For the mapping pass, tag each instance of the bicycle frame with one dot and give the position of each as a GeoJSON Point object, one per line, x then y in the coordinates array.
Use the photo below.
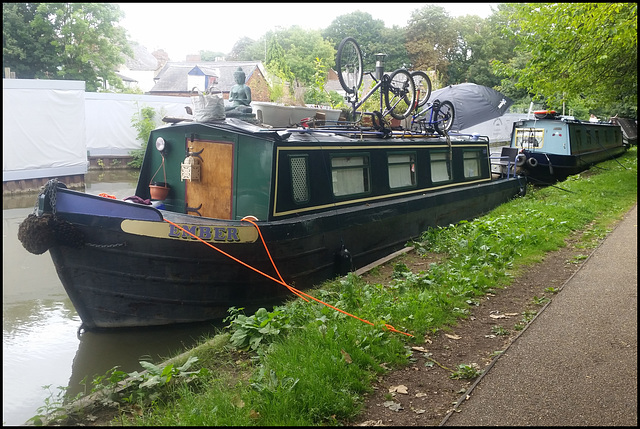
{"type": "Point", "coordinates": [431, 108]}
{"type": "Point", "coordinates": [431, 122]}
{"type": "Point", "coordinates": [384, 80]}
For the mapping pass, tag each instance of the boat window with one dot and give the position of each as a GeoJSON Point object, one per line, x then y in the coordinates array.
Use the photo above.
{"type": "Point", "coordinates": [440, 167]}
{"type": "Point", "coordinates": [529, 138]}
{"type": "Point", "coordinates": [402, 170]}
{"type": "Point", "coordinates": [350, 175]}
{"type": "Point", "coordinates": [471, 162]}
{"type": "Point", "coordinates": [300, 178]}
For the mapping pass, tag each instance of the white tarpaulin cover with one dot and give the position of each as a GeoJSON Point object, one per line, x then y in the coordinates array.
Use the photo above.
{"type": "Point", "coordinates": [109, 129]}
{"type": "Point", "coordinates": [51, 126]}
{"type": "Point", "coordinates": [43, 128]}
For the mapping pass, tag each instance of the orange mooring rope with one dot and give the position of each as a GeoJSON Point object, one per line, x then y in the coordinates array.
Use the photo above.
{"type": "Point", "coordinates": [281, 281]}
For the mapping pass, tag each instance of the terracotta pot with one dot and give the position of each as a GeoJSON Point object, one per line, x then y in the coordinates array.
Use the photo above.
{"type": "Point", "coordinates": [159, 191]}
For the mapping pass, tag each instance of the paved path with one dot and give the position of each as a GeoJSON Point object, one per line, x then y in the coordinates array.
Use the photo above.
{"type": "Point", "coordinates": [577, 363]}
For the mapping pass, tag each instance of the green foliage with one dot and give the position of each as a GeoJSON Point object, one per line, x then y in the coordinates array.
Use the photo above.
{"type": "Point", "coordinates": [431, 39]}
{"type": "Point", "coordinates": [277, 64]}
{"type": "Point", "coordinates": [316, 94]}
{"type": "Point", "coordinates": [53, 404]}
{"type": "Point", "coordinates": [479, 42]}
{"type": "Point", "coordinates": [151, 384]}
{"type": "Point", "coordinates": [291, 54]}
{"type": "Point", "coordinates": [307, 364]}
{"type": "Point", "coordinates": [69, 41]}
{"type": "Point", "coordinates": [210, 55]}
{"type": "Point", "coordinates": [247, 49]}
{"type": "Point", "coordinates": [25, 48]}
{"type": "Point", "coordinates": [372, 36]}
{"type": "Point", "coordinates": [466, 372]}
{"type": "Point", "coordinates": [250, 332]}
{"type": "Point", "coordinates": [499, 330]}
{"type": "Point", "coordinates": [590, 51]}
{"type": "Point", "coordinates": [143, 122]}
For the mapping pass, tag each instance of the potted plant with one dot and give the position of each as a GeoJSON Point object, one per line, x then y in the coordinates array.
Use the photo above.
{"type": "Point", "coordinates": [158, 190]}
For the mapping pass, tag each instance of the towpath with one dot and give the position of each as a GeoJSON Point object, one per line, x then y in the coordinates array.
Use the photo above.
{"type": "Point", "coordinates": [577, 362]}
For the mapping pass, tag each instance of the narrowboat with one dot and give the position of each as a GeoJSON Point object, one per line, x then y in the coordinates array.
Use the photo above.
{"type": "Point", "coordinates": [552, 147]}
{"type": "Point", "coordinates": [248, 213]}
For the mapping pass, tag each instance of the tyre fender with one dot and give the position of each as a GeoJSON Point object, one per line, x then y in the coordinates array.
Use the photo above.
{"type": "Point", "coordinates": [521, 158]}
{"type": "Point", "coordinates": [532, 162]}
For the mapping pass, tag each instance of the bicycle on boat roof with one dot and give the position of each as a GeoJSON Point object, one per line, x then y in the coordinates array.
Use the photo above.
{"type": "Point", "coordinates": [397, 89]}
{"type": "Point", "coordinates": [403, 92]}
{"type": "Point", "coordinates": [436, 116]}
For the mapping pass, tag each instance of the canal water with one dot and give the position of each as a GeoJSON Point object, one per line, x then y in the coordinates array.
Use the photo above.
{"type": "Point", "coordinates": [40, 342]}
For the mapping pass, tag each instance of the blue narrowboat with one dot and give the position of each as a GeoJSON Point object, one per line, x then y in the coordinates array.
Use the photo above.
{"type": "Point", "coordinates": [551, 147]}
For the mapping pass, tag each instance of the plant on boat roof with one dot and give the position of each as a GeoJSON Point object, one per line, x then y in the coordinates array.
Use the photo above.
{"type": "Point", "coordinates": [143, 122]}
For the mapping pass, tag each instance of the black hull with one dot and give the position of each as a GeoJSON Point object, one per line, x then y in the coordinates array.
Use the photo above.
{"type": "Point", "coordinates": [118, 279]}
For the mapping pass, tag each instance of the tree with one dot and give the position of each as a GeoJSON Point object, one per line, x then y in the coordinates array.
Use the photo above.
{"type": "Point", "coordinates": [247, 49]}
{"type": "Point", "coordinates": [300, 48]}
{"type": "Point", "coordinates": [372, 37]}
{"type": "Point", "coordinates": [26, 49]}
{"type": "Point", "coordinates": [78, 41]}
{"type": "Point", "coordinates": [276, 62]}
{"type": "Point", "coordinates": [431, 39]}
{"type": "Point", "coordinates": [480, 41]}
{"type": "Point", "coordinates": [586, 50]}
{"type": "Point", "coordinates": [210, 55]}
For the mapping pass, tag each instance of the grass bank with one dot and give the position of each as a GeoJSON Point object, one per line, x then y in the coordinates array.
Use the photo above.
{"type": "Point", "coordinates": [304, 363]}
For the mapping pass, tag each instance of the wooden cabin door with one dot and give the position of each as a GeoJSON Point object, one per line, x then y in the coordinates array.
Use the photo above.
{"type": "Point", "coordinates": [212, 195]}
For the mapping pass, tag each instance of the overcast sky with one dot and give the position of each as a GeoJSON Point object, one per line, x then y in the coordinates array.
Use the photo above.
{"type": "Point", "coordinates": [186, 28]}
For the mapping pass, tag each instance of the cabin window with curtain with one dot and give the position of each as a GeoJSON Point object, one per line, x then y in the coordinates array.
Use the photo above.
{"type": "Point", "coordinates": [440, 167]}
{"type": "Point", "coordinates": [471, 163]}
{"type": "Point", "coordinates": [402, 170]}
{"type": "Point", "coordinates": [350, 175]}
{"type": "Point", "coordinates": [300, 177]}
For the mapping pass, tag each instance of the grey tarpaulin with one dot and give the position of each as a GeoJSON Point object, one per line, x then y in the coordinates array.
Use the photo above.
{"type": "Point", "coordinates": [473, 103]}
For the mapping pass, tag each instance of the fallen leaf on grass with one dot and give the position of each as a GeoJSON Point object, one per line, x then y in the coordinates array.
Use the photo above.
{"type": "Point", "coordinates": [393, 406]}
{"type": "Point", "coordinates": [371, 423]}
{"type": "Point", "coordinates": [419, 349]}
{"type": "Point", "coordinates": [400, 389]}
{"type": "Point", "coordinates": [497, 316]}
{"type": "Point", "coordinates": [346, 356]}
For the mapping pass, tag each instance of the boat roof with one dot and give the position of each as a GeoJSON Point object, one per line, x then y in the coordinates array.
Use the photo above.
{"type": "Point", "coordinates": [336, 133]}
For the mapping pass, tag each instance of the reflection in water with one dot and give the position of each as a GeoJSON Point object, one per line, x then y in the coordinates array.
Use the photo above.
{"type": "Point", "coordinates": [126, 348]}
{"type": "Point", "coordinates": [40, 342]}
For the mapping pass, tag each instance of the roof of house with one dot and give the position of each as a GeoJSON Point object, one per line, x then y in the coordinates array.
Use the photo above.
{"type": "Point", "coordinates": [173, 76]}
{"type": "Point", "coordinates": [334, 84]}
{"type": "Point", "coordinates": [142, 60]}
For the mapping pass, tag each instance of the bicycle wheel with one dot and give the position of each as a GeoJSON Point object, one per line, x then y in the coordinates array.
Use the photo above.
{"type": "Point", "coordinates": [349, 65]}
{"type": "Point", "coordinates": [423, 87]}
{"type": "Point", "coordinates": [444, 116]}
{"type": "Point", "coordinates": [400, 94]}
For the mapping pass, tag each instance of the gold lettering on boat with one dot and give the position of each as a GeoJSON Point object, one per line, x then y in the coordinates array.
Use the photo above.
{"type": "Point", "coordinates": [209, 233]}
